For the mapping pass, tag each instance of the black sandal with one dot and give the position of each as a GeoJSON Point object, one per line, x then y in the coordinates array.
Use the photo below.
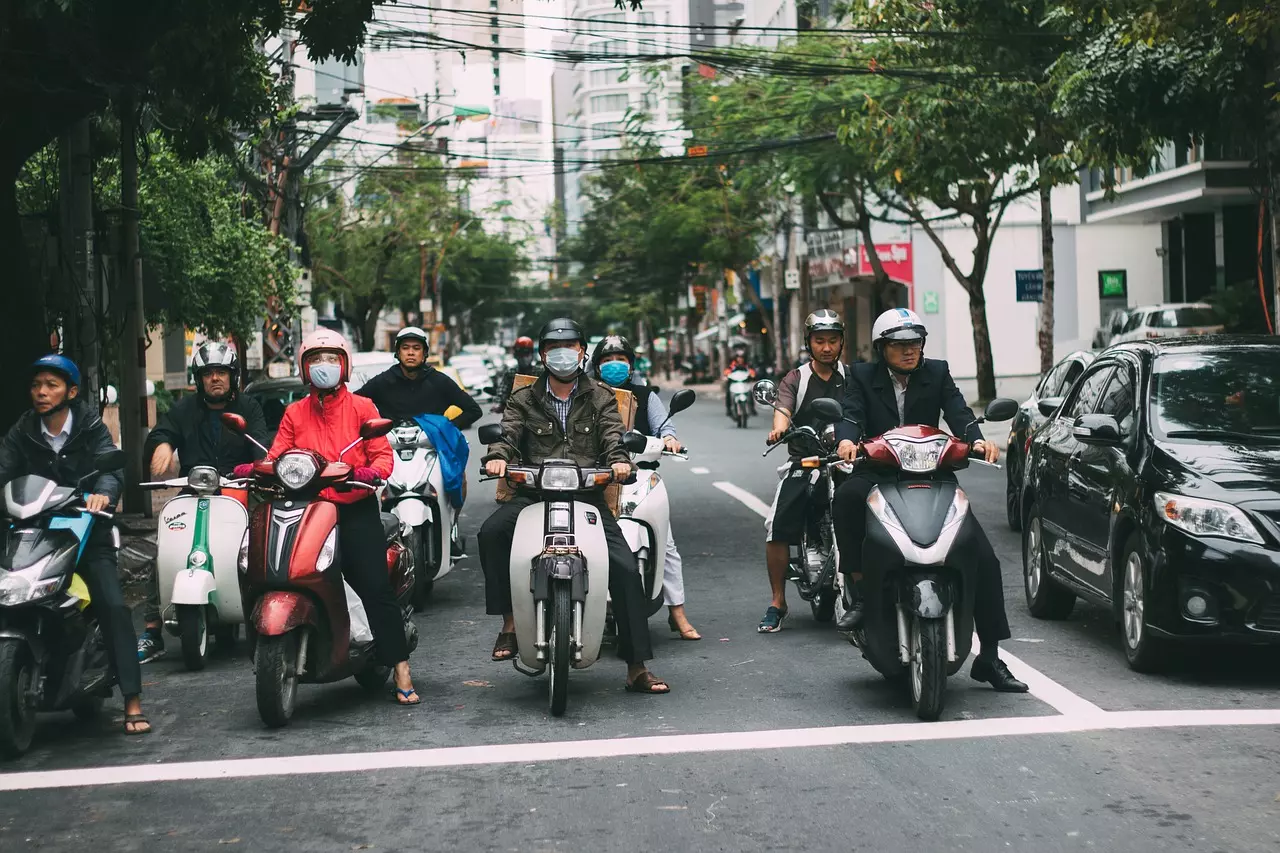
{"type": "Point", "coordinates": [505, 649]}
{"type": "Point", "coordinates": [136, 720]}
{"type": "Point", "coordinates": [645, 682]}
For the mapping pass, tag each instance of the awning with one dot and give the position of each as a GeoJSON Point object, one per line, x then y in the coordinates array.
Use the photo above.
{"type": "Point", "coordinates": [714, 331]}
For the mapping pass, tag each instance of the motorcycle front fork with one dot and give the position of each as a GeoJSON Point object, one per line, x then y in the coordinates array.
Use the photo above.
{"type": "Point", "coordinates": [904, 635]}
{"type": "Point", "coordinates": [540, 637]}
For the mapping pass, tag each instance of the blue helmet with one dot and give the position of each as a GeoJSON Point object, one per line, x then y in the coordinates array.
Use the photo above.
{"type": "Point", "coordinates": [58, 364]}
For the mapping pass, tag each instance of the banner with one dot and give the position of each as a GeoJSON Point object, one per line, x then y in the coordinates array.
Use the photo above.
{"type": "Point", "coordinates": [896, 259]}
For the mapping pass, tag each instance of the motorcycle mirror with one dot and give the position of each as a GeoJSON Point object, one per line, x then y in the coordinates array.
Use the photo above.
{"type": "Point", "coordinates": [826, 410]}
{"type": "Point", "coordinates": [112, 460]}
{"type": "Point", "coordinates": [375, 428]}
{"type": "Point", "coordinates": [490, 433]}
{"type": "Point", "coordinates": [765, 392]}
{"type": "Point", "coordinates": [1001, 409]}
{"type": "Point", "coordinates": [634, 441]}
{"type": "Point", "coordinates": [682, 400]}
{"type": "Point", "coordinates": [234, 422]}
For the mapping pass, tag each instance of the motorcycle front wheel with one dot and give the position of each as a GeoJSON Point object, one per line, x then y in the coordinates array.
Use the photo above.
{"type": "Point", "coordinates": [276, 666]}
{"type": "Point", "coordinates": [561, 635]}
{"type": "Point", "coordinates": [193, 628]}
{"type": "Point", "coordinates": [423, 571]}
{"type": "Point", "coordinates": [928, 666]}
{"type": "Point", "coordinates": [17, 714]}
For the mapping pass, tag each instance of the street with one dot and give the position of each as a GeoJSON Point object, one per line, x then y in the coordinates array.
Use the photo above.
{"type": "Point", "coordinates": [767, 742]}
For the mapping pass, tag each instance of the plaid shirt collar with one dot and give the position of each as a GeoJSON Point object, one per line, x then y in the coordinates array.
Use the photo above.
{"type": "Point", "coordinates": [562, 407]}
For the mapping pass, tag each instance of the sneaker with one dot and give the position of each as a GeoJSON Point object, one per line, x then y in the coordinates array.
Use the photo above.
{"type": "Point", "coordinates": [150, 646]}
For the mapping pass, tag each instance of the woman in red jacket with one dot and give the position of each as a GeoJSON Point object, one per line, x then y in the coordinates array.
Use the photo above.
{"type": "Point", "coordinates": [326, 421]}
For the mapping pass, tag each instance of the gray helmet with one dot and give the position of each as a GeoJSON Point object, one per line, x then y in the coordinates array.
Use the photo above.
{"type": "Point", "coordinates": [209, 355]}
{"type": "Point", "coordinates": [823, 320]}
{"type": "Point", "coordinates": [561, 329]}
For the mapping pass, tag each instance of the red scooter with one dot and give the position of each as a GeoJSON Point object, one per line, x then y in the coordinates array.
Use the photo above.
{"type": "Point", "coordinates": [301, 627]}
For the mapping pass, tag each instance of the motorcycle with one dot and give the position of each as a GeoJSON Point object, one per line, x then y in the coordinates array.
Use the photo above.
{"type": "Point", "coordinates": [52, 655]}
{"type": "Point", "coordinates": [812, 565]}
{"type": "Point", "coordinates": [415, 494]}
{"type": "Point", "coordinates": [740, 396]}
{"type": "Point", "coordinates": [559, 570]}
{"type": "Point", "coordinates": [917, 564]}
{"type": "Point", "coordinates": [645, 516]}
{"type": "Point", "coordinates": [307, 624]}
{"type": "Point", "coordinates": [196, 544]}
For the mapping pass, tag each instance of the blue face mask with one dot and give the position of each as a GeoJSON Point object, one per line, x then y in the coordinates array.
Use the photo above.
{"type": "Point", "coordinates": [615, 372]}
{"type": "Point", "coordinates": [326, 376]}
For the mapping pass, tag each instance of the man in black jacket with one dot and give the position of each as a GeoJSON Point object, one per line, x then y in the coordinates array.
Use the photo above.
{"type": "Point", "coordinates": [60, 439]}
{"type": "Point", "coordinates": [193, 430]}
{"type": "Point", "coordinates": [904, 387]}
{"type": "Point", "coordinates": [413, 387]}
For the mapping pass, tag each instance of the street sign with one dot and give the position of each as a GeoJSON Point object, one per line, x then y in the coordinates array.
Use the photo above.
{"type": "Point", "coordinates": [697, 151]}
{"type": "Point", "coordinates": [424, 306]}
{"type": "Point", "coordinates": [793, 279]}
{"type": "Point", "coordinates": [1113, 284]}
{"type": "Point", "coordinates": [929, 300]}
{"type": "Point", "coordinates": [1029, 285]}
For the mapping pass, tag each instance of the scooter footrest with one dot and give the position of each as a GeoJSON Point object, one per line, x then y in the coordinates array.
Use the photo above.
{"type": "Point", "coordinates": [532, 673]}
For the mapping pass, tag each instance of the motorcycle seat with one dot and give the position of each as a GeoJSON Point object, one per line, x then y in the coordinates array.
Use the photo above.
{"type": "Point", "coordinates": [390, 525]}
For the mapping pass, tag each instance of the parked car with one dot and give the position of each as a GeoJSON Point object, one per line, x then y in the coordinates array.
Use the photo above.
{"type": "Point", "coordinates": [1169, 321]}
{"type": "Point", "coordinates": [476, 371]}
{"type": "Point", "coordinates": [1112, 326]}
{"type": "Point", "coordinates": [1154, 489]}
{"type": "Point", "coordinates": [1056, 383]}
{"type": "Point", "coordinates": [366, 365]}
{"type": "Point", "coordinates": [275, 395]}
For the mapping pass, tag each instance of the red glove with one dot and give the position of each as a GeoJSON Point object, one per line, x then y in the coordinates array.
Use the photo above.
{"type": "Point", "coordinates": [365, 475]}
{"type": "Point", "coordinates": [243, 470]}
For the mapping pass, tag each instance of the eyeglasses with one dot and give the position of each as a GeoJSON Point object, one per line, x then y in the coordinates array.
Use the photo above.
{"type": "Point", "coordinates": [906, 347]}
{"type": "Point", "coordinates": [324, 358]}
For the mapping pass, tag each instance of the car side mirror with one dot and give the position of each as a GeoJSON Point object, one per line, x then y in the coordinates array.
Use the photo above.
{"type": "Point", "coordinates": [234, 422]}
{"type": "Point", "coordinates": [1049, 405]}
{"type": "Point", "coordinates": [765, 392]}
{"type": "Point", "coordinates": [1099, 430]}
{"type": "Point", "coordinates": [634, 441]}
{"type": "Point", "coordinates": [682, 400]}
{"type": "Point", "coordinates": [490, 434]}
{"type": "Point", "coordinates": [826, 410]}
{"type": "Point", "coordinates": [375, 428]}
{"type": "Point", "coordinates": [112, 460]}
{"type": "Point", "coordinates": [1001, 409]}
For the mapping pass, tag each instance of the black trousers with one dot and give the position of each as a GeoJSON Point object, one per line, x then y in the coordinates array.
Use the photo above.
{"type": "Point", "coordinates": [629, 611]}
{"type": "Point", "coordinates": [100, 568]}
{"type": "Point", "coordinates": [364, 566]}
{"type": "Point", "coordinates": [849, 512]}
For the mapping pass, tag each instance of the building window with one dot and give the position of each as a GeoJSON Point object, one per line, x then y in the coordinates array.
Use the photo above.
{"type": "Point", "coordinates": [606, 23]}
{"type": "Point", "coordinates": [646, 19]}
{"type": "Point", "coordinates": [609, 103]}
{"type": "Point", "coordinates": [607, 76]}
{"type": "Point", "coordinates": [605, 129]}
{"type": "Point", "coordinates": [495, 38]}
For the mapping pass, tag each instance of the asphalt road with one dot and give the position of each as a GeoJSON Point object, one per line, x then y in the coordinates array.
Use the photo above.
{"type": "Point", "coordinates": [767, 742]}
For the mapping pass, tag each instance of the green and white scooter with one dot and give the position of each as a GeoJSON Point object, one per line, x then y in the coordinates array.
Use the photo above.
{"type": "Point", "coordinates": [198, 544]}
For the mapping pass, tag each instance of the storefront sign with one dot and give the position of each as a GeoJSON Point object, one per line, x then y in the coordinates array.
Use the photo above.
{"type": "Point", "coordinates": [929, 301]}
{"type": "Point", "coordinates": [1029, 285]}
{"type": "Point", "coordinates": [894, 257]}
{"type": "Point", "coordinates": [1113, 284]}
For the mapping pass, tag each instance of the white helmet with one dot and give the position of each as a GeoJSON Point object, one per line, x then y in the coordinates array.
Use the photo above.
{"type": "Point", "coordinates": [898, 324]}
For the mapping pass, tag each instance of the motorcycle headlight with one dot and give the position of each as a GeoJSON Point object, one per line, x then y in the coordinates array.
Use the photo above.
{"type": "Point", "coordinates": [1201, 517]}
{"type": "Point", "coordinates": [25, 586]}
{"type": "Point", "coordinates": [919, 457]}
{"type": "Point", "coordinates": [296, 470]}
{"type": "Point", "coordinates": [327, 551]}
{"type": "Point", "coordinates": [203, 479]}
{"type": "Point", "coordinates": [242, 560]}
{"type": "Point", "coordinates": [560, 479]}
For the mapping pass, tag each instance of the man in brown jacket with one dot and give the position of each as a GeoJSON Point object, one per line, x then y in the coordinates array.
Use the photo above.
{"type": "Point", "coordinates": [566, 415]}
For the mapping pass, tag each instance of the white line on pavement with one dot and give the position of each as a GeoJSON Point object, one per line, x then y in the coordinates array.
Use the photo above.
{"type": "Point", "coordinates": [525, 753]}
{"type": "Point", "coordinates": [698, 469]}
{"type": "Point", "coordinates": [751, 501]}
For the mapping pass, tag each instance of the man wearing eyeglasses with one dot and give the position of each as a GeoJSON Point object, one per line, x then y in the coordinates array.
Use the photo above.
{"type": "Point", "coordinates": [903, 387]}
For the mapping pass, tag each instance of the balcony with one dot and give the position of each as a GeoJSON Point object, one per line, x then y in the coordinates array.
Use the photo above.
{"type": "Point", "coordinates": [1196, 178]}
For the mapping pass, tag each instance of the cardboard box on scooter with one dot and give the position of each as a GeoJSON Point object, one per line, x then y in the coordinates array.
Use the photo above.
{"type": "Point", "coordinates": [626, 408]}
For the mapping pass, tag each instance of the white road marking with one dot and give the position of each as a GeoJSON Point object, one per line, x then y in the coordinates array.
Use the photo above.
{"type": "Point", "coordinates": [525, 753]}
{"type": "Point", "coordinates": [752, 502]}
{"type": "Point", "coordinates": [698, 469]}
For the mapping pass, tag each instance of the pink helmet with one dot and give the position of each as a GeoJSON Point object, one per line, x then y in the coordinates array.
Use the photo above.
{"type": "Point", "coordinates": [324, 339]}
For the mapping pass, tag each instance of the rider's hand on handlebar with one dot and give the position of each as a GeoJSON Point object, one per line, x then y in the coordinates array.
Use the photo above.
{"type": "Point", "coordinates": [847, 450]}
{"type": "Point", "coordinates": [672, 443]}
{"type": "Point", "coordinates": [989, 450]}
{"type": "Point", "coordinates": [496, 467]}
{"type": "Point", "coordinates": [775, 434]}
{"type": "Point", "coordinates": [365, 475]}
{"type": "Point", "coordinates": [243, 470]}
{"type": "Point", "coordinates": [621, 470]}
{"type": "Point", "coordinates": [97, 503]}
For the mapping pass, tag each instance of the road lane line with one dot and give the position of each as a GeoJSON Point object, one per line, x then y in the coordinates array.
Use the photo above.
{"type": "Point", "coordinates": [698, 469]}
{"type": "Point", "coordinates": [662, 745]}
{"type": "Point", "coordinates": [752, 502]}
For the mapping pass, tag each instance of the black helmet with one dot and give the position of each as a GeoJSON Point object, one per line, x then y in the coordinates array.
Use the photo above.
{"type": "Point", "coordinates": [610, 345]}
{"type": "Point", "coordinates": [561, 329]}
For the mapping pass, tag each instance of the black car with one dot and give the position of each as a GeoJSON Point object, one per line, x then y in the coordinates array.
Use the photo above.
{"type": "Point", "coordinates": [1154, 489]}
{"type": "Point", "coordinates": [275, 395]}
{"type": "Point", "coordinates": [1056, 383]}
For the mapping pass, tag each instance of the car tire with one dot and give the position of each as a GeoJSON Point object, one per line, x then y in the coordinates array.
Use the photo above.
{"type": "Point", "coordinates": [1013, 489]}
{"type": "Point", "coordinates": [1144, 651]}
{"type": "Point", "coordinates": [1046, 598]}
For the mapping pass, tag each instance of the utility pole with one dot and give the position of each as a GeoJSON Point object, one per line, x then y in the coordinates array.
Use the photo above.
{"type": "Point", "coordinates": [78, 257]}
{"type": "Point", "coordinates": [133, 344]}
{"type": "Point", "coordinates": [422, 284]}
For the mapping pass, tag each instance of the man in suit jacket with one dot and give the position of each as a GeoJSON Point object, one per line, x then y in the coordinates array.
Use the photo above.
{"type": "Point", "coordinates": [903, 387]}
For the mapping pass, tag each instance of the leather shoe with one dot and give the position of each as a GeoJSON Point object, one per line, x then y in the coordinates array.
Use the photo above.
{"type": "Point", "coordinates": [851, 618]}
{"type": "Point", "coordinates": [997, 674]}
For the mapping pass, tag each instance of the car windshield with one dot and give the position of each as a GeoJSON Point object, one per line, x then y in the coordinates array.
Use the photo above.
{"type": "Point", "coordinates": [1182, 318]}
{"type": "Point", "coordinates": [1232, 391]}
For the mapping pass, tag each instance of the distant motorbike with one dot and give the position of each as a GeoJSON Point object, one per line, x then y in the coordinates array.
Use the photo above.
{"type": "Point", "coordinates": [52, 655]}
{"type": "Point", "coordinates": [740, 396]}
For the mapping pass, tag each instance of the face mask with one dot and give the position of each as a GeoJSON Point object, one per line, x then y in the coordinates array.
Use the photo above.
{"type": "Point", "coordinates": [615, 372]}
{"type": "Point", "coordinates": [564, 363]}
{"type": "Point", "coordinates": [325, 376]}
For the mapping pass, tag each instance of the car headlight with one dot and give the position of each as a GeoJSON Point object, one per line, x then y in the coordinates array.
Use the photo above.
{"type": "Point", "coordinates": [203, 479]}
{"type": "Point", "coordinates": [919, 457]}
{"type": "Point", "coordinates": [26, 586]}
{"type": "Point", "coordinates": [1201, 517]}
{"type": "Point", "coordinates": [560, 479]}
{"type": "Point", "coordinates": [296, 470]}
{"type": "Point", "coordinates": [325, 558]}
{"type": "Point", "coordinates": [242, 560]}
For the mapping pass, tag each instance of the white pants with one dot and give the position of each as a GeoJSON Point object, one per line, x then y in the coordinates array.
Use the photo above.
{"type": "Point", "coordinates": [672, 574]}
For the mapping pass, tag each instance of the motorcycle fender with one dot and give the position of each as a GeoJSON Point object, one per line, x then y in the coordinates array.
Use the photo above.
{"type": "Point", "coordinates": [635, 533]}
{"type": "Point", "coordinates": [279, 612]}
{"type": "Point", "coordinates": [31, 641]}
{"type": "Point", "coordinates": [194, 586]}
{"type": "Point", "coordinates": [930, 599]}
{"type": "Point", "coordinates": [412, 511]}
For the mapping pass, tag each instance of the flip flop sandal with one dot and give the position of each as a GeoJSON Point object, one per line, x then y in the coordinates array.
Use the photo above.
{"type": "Point", "coordinates": [135, 720]}
{"type": "Point", "coordinates": [506, 643]}
{"type": "Point", "coordinates": [399, 697]}
{"type": "Point", "coordinates": [645, 682]}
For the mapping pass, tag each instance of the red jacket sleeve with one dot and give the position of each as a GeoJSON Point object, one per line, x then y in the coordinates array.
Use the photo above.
{"type": "Point", "coordinates": [377, 451]}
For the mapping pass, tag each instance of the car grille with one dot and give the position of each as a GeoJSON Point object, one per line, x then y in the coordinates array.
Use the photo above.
{"type": "Point", "coordinates": [1269, 616]}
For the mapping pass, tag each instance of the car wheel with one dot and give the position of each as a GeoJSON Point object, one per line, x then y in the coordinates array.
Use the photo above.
{"type": "Point", "coordinates": [1046, 598]}
{"type": "Point", "coordinates": [1145, 651]}
{"type": "Point", "coordinates": [1013, 489]}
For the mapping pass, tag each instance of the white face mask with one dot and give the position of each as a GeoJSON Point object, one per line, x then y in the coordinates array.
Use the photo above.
{"type": "Point", "coordinates": [564, 363]}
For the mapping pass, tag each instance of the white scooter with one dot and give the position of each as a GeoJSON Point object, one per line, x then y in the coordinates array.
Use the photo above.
{"type": "Point", "coordinates": [559, 569]}
{"type": "Point", "coordinates": [415, 494]}
{"type": "Point", "coordinates": [198, 543]}
{"type": "Point", "coordinates": [645, 516]}
{"type": "Point", "coordinates": [740, 396]}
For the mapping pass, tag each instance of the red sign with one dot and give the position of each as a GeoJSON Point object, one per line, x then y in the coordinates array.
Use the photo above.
{"type": "Point", "coordinates": [697, 151]}
{"type": "Point", "coordinates": [894, 257]}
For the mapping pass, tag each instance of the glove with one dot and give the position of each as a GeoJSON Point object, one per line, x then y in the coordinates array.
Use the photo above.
{"type": "Point", "coordinates": [243, 470]}
{"type": "Point", "coordinates": [365, 475]}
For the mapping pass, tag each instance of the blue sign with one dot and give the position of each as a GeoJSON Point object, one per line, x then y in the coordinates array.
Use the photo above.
{"type": "Point", "coordinates": [1030, 285]}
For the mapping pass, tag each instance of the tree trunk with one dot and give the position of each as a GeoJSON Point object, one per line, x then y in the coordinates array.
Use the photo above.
{"type": "Point", "coordinates": [982, 344]}
{"type": "Point", "coordinates": [24, 336]}
{"type": "Point", "coordinates": [1045, 335]}
{"type": "Point", "coordinates": [133, 344]}
{"type": "Point", "coordinates": [369, 322]}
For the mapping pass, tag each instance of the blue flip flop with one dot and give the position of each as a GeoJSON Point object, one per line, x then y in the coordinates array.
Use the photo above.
{"type": "Point", "coordinates": [398, 694]}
